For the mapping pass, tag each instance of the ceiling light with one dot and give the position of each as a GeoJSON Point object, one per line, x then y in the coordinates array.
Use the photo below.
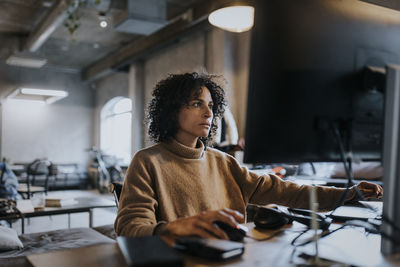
{"type": "Point", "coordinates": [41, 95]}
{"type": "Point", "coordinates": [233, 18]}
{"type": "Point", "coordinates": [31, 91]}
{"type": "Point", "coordinates": [103, 19]}
{"type": "Point", "coordinates": [103, 24]}
{"type": "Point", "coordinates": [26, 61]}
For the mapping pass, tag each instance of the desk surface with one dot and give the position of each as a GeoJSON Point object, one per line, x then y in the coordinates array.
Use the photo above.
{"type": "Point", "coordinates": [276, 251]}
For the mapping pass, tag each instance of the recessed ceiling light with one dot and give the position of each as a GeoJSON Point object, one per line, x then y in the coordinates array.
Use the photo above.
{"type": "Point", "coordinates": [103, 24]}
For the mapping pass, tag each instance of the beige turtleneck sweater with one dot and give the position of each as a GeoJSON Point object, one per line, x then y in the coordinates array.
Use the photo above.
{"type": "Point", "coordinates": [169, 181]}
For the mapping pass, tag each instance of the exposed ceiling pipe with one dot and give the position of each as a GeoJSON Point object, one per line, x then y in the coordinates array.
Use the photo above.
{"type": "Point", "coordinates": [103, 5]}
{"type": "Point", "coordinates": [49, 24]}
{"type": "Point", "coordinates": [142, 17]}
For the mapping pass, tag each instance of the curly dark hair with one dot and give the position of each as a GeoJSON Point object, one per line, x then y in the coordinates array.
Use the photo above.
{"type": "Point", "coordinates": [174, 92]}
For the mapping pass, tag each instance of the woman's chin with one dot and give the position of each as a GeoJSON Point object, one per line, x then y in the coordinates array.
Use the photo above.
{"type": "Point", "coordinates": [204, 135]}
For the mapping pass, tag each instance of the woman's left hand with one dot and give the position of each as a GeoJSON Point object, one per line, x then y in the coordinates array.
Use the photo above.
{"type": "Point", "coordinates": [370, 190]}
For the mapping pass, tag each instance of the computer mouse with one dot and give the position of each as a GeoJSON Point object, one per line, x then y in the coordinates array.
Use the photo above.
{"type": "Point", "coordinates": [234, 234]}
{"type": "Point", "coordinates": [269, 218]}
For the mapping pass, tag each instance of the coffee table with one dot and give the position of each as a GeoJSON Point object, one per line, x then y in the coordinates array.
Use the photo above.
{"type": "Point", "coordinates": [84, 204]}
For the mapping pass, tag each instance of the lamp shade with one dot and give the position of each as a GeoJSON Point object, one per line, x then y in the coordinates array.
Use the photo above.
{"type": "Point", "coordinates": [233, 18]}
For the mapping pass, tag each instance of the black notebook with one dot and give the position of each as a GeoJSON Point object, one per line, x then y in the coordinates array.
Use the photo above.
{"type": "Point", "coordinates": [148, 251]}
{"type": "Point", "coordinates": [212, 249]}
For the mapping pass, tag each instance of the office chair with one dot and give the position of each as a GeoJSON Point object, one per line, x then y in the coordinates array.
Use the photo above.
{"type": "Point", "coordinates": [116, 189]}
{"type": "Point", "coordinates": [39, 167]}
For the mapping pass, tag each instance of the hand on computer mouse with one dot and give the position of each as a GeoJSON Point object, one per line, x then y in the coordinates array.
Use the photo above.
{"type": "Point", "coordinates": [202, 225]}
{"type": "Point", "coordinates": [234, 233]}
{"type": "Point", "coordinates": [370, 190]}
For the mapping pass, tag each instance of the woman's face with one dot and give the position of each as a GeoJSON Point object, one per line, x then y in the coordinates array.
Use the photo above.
{"type": "Point", "coordinates": [195, 118]}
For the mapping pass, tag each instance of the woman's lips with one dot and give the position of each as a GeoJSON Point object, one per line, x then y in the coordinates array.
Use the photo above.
{"type": "Point", "coordinates": [207, 125]}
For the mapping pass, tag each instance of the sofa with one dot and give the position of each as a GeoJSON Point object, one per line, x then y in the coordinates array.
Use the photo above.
{"type": "Point", "coordinates": [35, 243]}
{"type": "Point", "coordinates": [61, 176]}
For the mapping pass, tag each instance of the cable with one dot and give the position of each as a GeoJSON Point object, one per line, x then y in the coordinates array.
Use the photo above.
{"type": "Point", "coordinates": [298, 236]}
{"type": "Point", "coordinates": [347, 163]}
{"type": "Point", "coordinates": [313, 168]}
{"type": "Point", "coordinates": [323, 234]}
{"type": "Point", "coordinates": [349, 173]}
{"type": "Point", "coordinates": [295, 246]}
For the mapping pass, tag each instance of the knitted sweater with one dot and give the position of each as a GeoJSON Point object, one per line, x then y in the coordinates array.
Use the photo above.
{"type": "Point", "coordinates": [169, 181]}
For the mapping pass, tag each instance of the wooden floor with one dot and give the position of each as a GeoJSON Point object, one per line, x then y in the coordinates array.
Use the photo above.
{"type": "Point", "coordinates": [55, 222]}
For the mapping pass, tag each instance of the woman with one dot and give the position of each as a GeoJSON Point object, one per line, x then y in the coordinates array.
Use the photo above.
{"type": "Point", "coordinates": [181, 187]}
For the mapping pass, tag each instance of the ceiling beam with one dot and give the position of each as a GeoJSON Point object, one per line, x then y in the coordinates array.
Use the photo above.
{"type": "Point", "coordinates": [393, 4]}
{"type": "Point", "coordinates": [56, 16]}
{"type": "Point", "coordinates": [127, 54]}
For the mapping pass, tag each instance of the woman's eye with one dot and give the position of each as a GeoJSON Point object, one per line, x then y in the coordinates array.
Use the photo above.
{"type": "Point", "coordinates": [196, 104]}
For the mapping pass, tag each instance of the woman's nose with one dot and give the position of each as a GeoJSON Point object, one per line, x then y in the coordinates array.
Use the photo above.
{"type": "Point", "coordinates": [208, 112]}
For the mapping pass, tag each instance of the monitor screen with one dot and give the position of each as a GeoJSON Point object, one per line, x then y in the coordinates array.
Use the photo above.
{"type": "Point", "coordinates": [307, 78]}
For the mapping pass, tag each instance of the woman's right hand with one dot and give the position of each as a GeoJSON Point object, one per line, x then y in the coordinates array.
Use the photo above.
{"type": "Point", "coordinates": [202, 225]}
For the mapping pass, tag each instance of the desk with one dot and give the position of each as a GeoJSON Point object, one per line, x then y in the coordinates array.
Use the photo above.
{"type": "Point", "coordinates": [338, 182]}
{"type": "Point", "coordinates": [84, 204]}
{"type": "Point", "coordinates": [317, 180]}
{"type": "Point", "coordinates": [273, 252]}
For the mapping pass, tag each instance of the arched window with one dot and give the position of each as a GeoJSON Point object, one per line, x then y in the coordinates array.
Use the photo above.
{"type": "Point", "coordinates": [116, 128]}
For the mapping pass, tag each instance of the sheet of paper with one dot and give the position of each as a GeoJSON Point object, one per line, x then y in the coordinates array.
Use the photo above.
{"type": "Point", "coordinates": [349, 246]}
{"type": "Point", "coordinates": [376, 205]}
{"type": "Point", "coordinates": [25, 205]}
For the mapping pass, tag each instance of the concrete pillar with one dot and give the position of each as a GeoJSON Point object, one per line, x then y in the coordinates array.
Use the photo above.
{"type": "Point", "coordinates": [136, 94]}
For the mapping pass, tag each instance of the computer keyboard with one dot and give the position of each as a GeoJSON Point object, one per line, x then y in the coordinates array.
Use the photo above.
{"type": "Point", "coordinates": [345, 213]}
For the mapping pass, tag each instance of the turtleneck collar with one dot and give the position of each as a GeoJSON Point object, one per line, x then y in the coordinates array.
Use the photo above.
{"type": "Point", "coordinates": [184, 151]}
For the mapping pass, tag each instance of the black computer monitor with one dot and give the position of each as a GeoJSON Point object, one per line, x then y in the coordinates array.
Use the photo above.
{"type": "Point", "coordinates": [391, 167]}
{"type": "Point", "coordinates": [306, 82]}
{"type": "Point", "coordinates": [307, 78]}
